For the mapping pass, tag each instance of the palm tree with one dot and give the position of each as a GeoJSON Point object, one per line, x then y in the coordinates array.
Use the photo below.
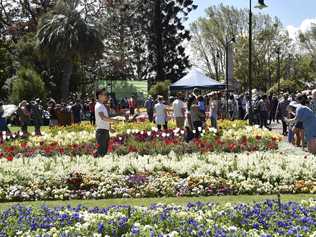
{"type": "Point", "coordinates": [66, 35]}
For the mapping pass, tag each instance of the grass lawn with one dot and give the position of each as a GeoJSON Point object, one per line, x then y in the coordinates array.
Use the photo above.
{"type": "Point", "coordinates": [31, 129]}
{"type": "Point", "coordinates": [178, 201]}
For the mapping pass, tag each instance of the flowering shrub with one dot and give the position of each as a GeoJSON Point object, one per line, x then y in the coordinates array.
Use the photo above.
{"type": "Point", "coordinates": [267, 218]}
{"type": "Point", "coordinates": [198, 174]}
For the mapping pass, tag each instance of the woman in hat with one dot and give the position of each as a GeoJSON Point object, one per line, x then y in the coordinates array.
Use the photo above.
{"type": "Point", "coordinates": [308, 118]}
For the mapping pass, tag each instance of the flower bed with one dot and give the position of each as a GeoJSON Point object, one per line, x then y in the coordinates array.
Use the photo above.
{"type": "Point", "coordinates": [84, 177]}
{"type": "Point", "coordinates": [232, 140]}
{"type": "Point", "coordinates": [143, 142]}
{"type": "Point", "coordinates": [267, 218]}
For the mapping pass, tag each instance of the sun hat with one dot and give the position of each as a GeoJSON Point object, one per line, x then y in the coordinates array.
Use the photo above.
{"type": "Point", "coordinates": [294, 104]}
{"type": "Point", "coordinates": [314, 94]}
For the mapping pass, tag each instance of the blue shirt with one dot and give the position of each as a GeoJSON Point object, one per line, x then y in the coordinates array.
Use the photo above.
{"type": "Point", "coordinates": [149, 104]}
{"type": "Point", "coordinates": [308, 118]}
{"type": "Point", "coordinates": [201, 105]}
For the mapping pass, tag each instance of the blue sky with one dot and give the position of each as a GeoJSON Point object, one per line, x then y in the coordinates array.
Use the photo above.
{"type": "Point", "coordinates": [290, 12]}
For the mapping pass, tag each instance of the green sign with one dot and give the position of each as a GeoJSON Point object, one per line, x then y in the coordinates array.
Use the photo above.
{"type": "Point", "coordinates": [126, 88]}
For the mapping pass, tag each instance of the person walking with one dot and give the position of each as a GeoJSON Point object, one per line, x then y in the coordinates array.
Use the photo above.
{"type": "Point", "coordinates": [274, 102]}
{"type": "Point", "coordinates": [53, 119]}
{"type": "Point", "coordinates": [76, 109]}
{"type": "Point", "coordinates": [149, 105]}
{"type": "Point", "coordinates": [3, 121]}
{"type": "Point", "coordinates": [37, 116]}
{"type": "Point", "coordinates": [178, 107]}
{"type": "Point", "coordinates": [91, 110]}
{"type": "Point", "coordinates": [132, 105]}
{"type": "Point", "coordinates": [161, 114]}
{"type": "Point", "coordinates": [102, 121]}
{"type": "Point", "coordinates": [282, 112]}
{"type": "Point", "coordinates": [213, 111]}
{"type": "Point", "coordinates": [231, 107]}
{"type": "Point", "coordinates": [242, 102]}
{"type": "Point", "coordinates": [24, 115]}
{"type": "Point", "coordinates": [263, 112]}
{"type": "Point", "coordinates": [197, 120]}
{"type": "Point", "coordinates": [306, 116]}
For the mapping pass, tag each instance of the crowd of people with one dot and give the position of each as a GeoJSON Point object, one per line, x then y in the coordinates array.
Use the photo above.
{"type": "Point", "coordinates": [190, 112]}
{"type": "Point", "coordinates": [36, 113]}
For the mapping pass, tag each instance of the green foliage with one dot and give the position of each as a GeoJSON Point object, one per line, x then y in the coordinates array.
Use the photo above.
{"type": "Point", "coordinates": [6, 68]}
{"type": "Point", "coordinates": [161, 88]}
{"type": "Point", "coordinates": [27, 52]}
{"type": "Point", "coordinates": [27, 85]}
{"type": "Point", "coordinates": [65, 34]}
{"type": "Point", "coordinates": [289, 86]}
{"type": "Point", "coordinates": [211, 33]}
{"type": "Point", "coordinates": [166, 35]}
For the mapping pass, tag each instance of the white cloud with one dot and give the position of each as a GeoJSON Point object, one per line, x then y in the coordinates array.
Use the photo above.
{"type": "Point", "coordinates": [304, 27]}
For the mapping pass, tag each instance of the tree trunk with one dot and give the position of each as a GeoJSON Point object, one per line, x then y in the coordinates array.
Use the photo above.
{"type": "Point", "coordinates": [67, 72]}
{"type": "Point", "coordinates": [158, 42]}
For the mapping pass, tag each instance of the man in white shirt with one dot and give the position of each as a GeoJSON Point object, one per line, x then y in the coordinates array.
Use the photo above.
{"type": "Point", "coordinates": [102, 121]}
{"type": "Point", "coordinates": [178, 107]}
{"type": "Point", "coordinates": [161, 114]}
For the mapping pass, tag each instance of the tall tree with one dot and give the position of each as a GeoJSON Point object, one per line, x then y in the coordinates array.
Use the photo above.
{"type": "Point", "coordinates": [18, 17]}
{"type": "Point", "coordinates": [166, 37]}
{"type": "Point", "coordinates": [66, 34]}
{"type": "Point", "coordinates": [145, 39]}
{"type": "Point", "coordinates": [211, 34]}
{"type": "Point", "coordinates": [6, 68]}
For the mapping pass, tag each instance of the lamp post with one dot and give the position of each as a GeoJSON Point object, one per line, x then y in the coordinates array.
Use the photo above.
{"type": "Point", "coordinates": [278, 52]}
{"type": "Point", "coordinates": [216, 66]}
{"type": "Point", "coordinates": [260, 5]}
{"type": "Point", "coordinates": [227, 44]}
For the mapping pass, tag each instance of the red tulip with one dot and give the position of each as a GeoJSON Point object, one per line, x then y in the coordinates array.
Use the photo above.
{"type": "Point", "coordinates": [258, 137]}
{"type": "Point", "coordinates": [10, 158]}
